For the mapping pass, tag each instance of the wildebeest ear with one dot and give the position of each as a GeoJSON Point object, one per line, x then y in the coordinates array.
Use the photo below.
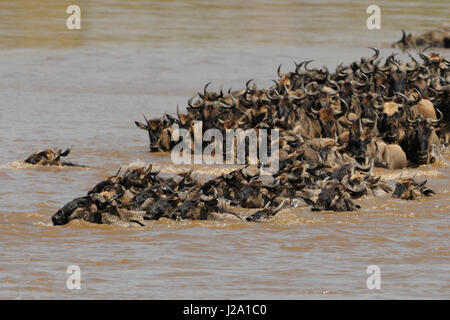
{"type": "Point", "coordinates": [141, 125]}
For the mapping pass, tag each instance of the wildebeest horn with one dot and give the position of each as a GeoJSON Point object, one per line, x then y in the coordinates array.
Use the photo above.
{"type": "Point", "coordinates": [247, 84]}
{"type": "Point", "coordinates": [403, 36]}
{"type": "Point", "coordinates": [344, 108]}
{"type": "Point", "coordinates": [67, 151]}
{"type": "Point", "coordinates": [273, 185]}
{"type": "Point", "coordinates": [375, 56]}
{"type": "Point", "coordinates": [205, 198]}
{"type": "Point", "coordinates": [425, 58]}
{"type": "Point", "coordinates": [413, 121]}
{"type": "Point", "coordinates": [367, 121]}
{"type": "Point", "coordinates": [387, 63]}
{"type": "Point", "coordinates": [359, 84]}
{"type": "Point", "coordinates": [224, 105]}
{"type": "Point", "coordinates": [298, 66]}
{"type": "Point", "coordinates": [314, 111]}
{"type": "Point", "coordinates": [190, 102]}
{"type": "Point", "coordinates": [279, 71]}
{"type": "Point", "coordinates": [306, 65]}
{"type": "Point", "coordinates": [272, 98]}
{"type": "Point", "coordinates": [279, 207]}
{"type": "Point", "coordinates": [145, 118]}
{"type": "Point", "coordinates": [356, 191]}
{"type": "Point", "coordinates": [204, 89]}
{"type": "Point", "coordinates": [364, 169]}
{"type": "Point", "coordinates": [178, 111]}
{"type": "Point", "coordinates": [408, 100]}
{"type": "Point", "coordinates": [416, 64]}
{"type": "Point", "coordinates": [441, 116]}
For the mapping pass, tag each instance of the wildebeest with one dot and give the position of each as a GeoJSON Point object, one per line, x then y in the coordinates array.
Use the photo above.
{"type": "Point", "coordinates": [51, 157]}
{"type": "Point", "coordinates": [439, 37]}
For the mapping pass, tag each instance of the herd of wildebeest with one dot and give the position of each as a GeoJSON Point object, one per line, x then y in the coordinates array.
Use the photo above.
{"type": "Point", "coordinates": [334, 127]}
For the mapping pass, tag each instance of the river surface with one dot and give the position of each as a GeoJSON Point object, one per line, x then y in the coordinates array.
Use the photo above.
{"type": "Point", "coordinates": [84, 88]}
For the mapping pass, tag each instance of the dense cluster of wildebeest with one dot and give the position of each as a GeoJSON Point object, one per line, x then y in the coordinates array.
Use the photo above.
{"type": "Point", "coordinates": [334, 128]}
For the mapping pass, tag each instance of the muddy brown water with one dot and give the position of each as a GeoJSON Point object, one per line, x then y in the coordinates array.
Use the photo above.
{"type": "Point", "coordinates": [85, 88]}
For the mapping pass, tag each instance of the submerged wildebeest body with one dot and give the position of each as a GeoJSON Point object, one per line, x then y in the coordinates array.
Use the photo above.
{"type": "Point", "coordinates": [51, 157]}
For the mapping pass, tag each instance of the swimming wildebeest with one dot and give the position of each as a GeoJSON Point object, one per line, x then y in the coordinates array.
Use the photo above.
{"type": "Point", "coordinates": [51, 157]}
{"type": "Point", "coordinates": [439, 37]}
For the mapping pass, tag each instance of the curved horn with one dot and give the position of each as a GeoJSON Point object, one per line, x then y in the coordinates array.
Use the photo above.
{"type": "Point", "coordinates": [375, 56]}
{"type": "Point", "coordinates": [356, 192]}
{"type": "Point", "coordinates": [440, 117]}
{"type": "Point", "coordinates": [344, 108]}
{"type": "Point", "coordinates": [145, 118]}
{"type": "Point", "coordinates": [425, 59]}
{"type": "Point", "coordinates": [367, 80]}
{"type": "Point", "coordinates": [190, 102]}
{"type": "Point", "coordinates": [67, 151]}
{"type": "Point", "coordinates": [205, 198]}
{"type": "Point", "coordinates": [364, 169]}
{"type": "Point", "coordinates": [409, 120]}
{"type": "Point", "coordinates": [204, 89]}
{"type": "Point", "coordinates": [306, 65]}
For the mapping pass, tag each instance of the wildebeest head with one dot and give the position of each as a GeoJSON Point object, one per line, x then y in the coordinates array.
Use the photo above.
{"type": "Point", "coordinates": [397, 79]}
{"type": "Point", "coordinates": [409, 189]}
{"type": "Point", "coordinates": [154, 128]}
{"type": "Point", "coordinates": [83, 208]}
{"type": "Point", "coordinates": [389, 121]}
{"type": "Point", "coordinates": [419, 137]}
{"type": "Point", "coordinates": [358, 142]}
{"type": "Point", "coordinates": [327, 117]}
